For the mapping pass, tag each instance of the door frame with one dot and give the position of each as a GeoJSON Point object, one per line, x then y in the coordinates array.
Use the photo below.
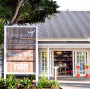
{"type": "Point", "coordinates": [74, 59]}
{"type": "Point", "coordinates": [72, 62]}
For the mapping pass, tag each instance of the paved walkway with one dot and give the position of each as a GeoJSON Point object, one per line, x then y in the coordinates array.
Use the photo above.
{"type": "Point", "coordinates": [75, 83]}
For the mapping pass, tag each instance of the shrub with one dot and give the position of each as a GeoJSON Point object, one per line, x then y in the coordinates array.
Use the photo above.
{"type": "Point", "coordinates": [24, 83]}
{"type": "Point", "coordinates": [11, 82]}
{"type": "Point", "coordinates": [10, 76]}
{"type": "Point", "coordinates": [45, 83]}
{"type": "Point", "coordinates": [55, 83]}
{"type": "Point", "coordinates": [2, 83]}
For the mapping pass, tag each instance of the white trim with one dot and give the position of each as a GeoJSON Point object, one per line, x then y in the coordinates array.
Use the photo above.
{"type": "Point", "coordinates": [41, 61]}
{"type": "Point", "coordinates": [22, 26]}
{"type": "Point", "coordinates": [64, 45]}
{"type": "Point", "coordinates": [44, 62]}
{"type": "Point", "coordinates": [37, 70]}
{"type": "Point", "coordinates": [48, 69]}
{"type": "Point", "coordinates": [50, 61]}
{"type": "Point", "coordinates": [64, 39]}
{"type": "Point", "coordinates": [5, 52]}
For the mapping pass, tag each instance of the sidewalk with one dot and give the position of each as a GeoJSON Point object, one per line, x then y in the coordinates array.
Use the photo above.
{"type": "Point", "coordinates": [75, 83]}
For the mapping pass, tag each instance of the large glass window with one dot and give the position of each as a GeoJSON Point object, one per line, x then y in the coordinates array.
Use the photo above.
{"type": "Point", "coordinates": [43, 63]}
{"type": "Point", "coordinates": [81, 61]}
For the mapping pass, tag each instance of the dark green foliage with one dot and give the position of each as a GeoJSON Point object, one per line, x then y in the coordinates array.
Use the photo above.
{"type": "Point", "coordinates": [9, 83]}
{"type": "Point", "coordinates": [31, 11]}
{"type": "Point", "coordinates": [2, 83]}
{"type": "Point", "coordinates": [1, 33]}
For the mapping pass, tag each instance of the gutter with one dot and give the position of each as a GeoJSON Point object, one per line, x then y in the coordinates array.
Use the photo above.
{"type": "Point", "coordinates": [64, 39]}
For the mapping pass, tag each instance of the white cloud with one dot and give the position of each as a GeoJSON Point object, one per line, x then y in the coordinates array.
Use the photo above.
{"type": "Point", "coordinates": [75, 5]}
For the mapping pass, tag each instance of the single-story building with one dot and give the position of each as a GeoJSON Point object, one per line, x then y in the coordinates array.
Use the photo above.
{"type": "Point", "coordinates": [64, 42]}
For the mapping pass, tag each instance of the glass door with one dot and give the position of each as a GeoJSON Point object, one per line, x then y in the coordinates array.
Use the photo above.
{"type": "Point", "coordinates": [43, 63]}
{"type": "Point", "coordinates": [80, 59]}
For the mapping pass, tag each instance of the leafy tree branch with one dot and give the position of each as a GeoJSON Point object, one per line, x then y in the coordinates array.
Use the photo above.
{"type": "Point", "coordinates": [24, 11]}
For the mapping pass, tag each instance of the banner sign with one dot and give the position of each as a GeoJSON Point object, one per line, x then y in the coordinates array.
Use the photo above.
{"type": "Point", "coordinates": [20, 53]}
{"type": "Point", "coordinates": [20, 38]}
{"type": "Point", "coordinates": [20, 67]}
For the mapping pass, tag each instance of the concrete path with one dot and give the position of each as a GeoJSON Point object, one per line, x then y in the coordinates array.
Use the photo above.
{"type": "Point", "coordinates": [75, 83]}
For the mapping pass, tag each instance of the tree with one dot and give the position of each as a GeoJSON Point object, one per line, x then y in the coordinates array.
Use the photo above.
{"type": "Point", "coordinates": [24, 11]}
{"type": "Point", "coordinates": [1, 32]}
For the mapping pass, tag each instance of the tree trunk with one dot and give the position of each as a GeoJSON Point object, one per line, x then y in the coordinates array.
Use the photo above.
{"type": "Point", "coordinates": [16, 12]}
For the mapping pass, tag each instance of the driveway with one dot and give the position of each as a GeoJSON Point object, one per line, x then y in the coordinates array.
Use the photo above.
{"type": "Point", "coordinates": [74, 83]}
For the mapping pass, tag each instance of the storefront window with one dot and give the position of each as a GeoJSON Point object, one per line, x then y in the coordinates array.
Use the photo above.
{"type": "Point", "coordinates": [43, 63]}
{"type": "Point", "coordinates": [81, 61]}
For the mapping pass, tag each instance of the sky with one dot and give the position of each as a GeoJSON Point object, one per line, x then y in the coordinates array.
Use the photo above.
{"type": "Point", "coordinates": [74, 5]}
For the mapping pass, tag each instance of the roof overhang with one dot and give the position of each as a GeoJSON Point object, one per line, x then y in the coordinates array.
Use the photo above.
{"type": "Point", "coordinates": [64, 45]}
{"type": "Point", "coordinates": [64, 39]}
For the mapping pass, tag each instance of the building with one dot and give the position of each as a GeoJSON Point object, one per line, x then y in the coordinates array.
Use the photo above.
{"type": "Point", "coordinates": [64, 42]}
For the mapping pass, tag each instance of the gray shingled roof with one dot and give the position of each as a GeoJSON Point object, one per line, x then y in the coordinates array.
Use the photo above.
{"type": "Point", "coordinates": [66, 24]}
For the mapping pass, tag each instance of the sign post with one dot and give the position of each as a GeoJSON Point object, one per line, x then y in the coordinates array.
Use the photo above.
{"type": "Point", "coordinates": [20, 50]}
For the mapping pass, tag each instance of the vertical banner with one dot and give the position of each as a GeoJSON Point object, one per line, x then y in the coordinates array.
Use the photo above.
{"type": "Point", "coordinates": [20, 50]}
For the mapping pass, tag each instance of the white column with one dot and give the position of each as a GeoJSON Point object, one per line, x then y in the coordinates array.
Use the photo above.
{"type": "Point", "coordinates": [4, 52]}
{"type": "Point", "coordinates": [37, 56]}
{"type": "Point", "coordinates": [48, 62]}
{"type": "Point", "coordinates": [73, 62]}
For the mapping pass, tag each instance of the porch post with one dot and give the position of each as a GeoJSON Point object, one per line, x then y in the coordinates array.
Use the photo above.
{"type": "Point", "coordinates": [5, 52]}
{"type": "Point", "coordinates": [37, 56]}
{"type": "Point", "coordinates": [48, 62]}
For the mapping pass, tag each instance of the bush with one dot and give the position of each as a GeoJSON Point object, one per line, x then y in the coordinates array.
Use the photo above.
{"type": "Point", "coordinates": [2, 83]}
{"type": "Point", "coordinates": [55, 83]}
{"type": "Point", "coordinates": [45, 83]}
{"type": "Point", "coordinates": [24, 83]}
{"type": "Point", "coordinates": [11, 82]}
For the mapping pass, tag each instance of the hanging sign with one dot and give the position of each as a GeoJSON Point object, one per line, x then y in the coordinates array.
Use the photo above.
{"type": "Point", "coordinates": [20, 49]}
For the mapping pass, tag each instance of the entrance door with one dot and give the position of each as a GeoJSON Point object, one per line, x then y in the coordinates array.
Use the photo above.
{"type": "Point", "coordinates": [80, 59]}
{"type": "Point", "coordinates": [43, 63]}
{"type": "Point", "coordinates": [63, 60]}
